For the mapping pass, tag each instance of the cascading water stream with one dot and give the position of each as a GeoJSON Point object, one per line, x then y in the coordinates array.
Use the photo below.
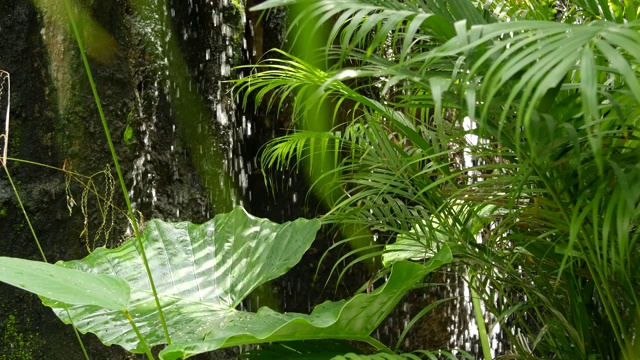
{"type": "Point", "coordinates": [185, 111]}
{"type": "Point", "coordinates": [187, 114]}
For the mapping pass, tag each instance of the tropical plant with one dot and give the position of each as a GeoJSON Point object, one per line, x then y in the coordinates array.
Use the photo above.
{"type": "Point", "coordinates": [505, 129]}
{"type": "Point", "coordinates": [178, 284]}
{"type": "Point", "coordinates": [196, 276]}
{"type": "Point", "coordinates": [202, 274]}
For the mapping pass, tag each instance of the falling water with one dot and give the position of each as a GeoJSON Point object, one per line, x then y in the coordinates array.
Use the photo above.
{"type": "Point", "coordinates": [181, 87]}
{"type": "Point", "coordinates": [186, 115]}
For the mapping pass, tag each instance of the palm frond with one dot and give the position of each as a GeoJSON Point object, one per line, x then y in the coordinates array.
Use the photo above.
{"type": "Point", "coordinates": [548, 211]}
{"type": "Point", "coordinates": [356, 20]}
{"type": "Point", "coordinates": [528, 60]}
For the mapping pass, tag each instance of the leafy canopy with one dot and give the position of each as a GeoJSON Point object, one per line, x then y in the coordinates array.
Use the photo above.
{"type": "Point", "coordinates": [505, 114]}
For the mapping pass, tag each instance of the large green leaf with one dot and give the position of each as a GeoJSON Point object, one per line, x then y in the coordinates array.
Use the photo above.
{"type": "Point", "coordinates": [67, 285]}
{"type": "Point", "coordinates": [201, 272]}
{"type": "Point", "coordinates": [353, 319]}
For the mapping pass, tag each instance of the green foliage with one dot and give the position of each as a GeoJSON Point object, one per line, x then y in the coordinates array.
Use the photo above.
{"type": "Point", "coordinates": [546, 218]}
{"type": "Point", "coordinates": [351, 319]}
{"type": "Point", "coordinates": [127, 136]}
{"type": "Point", "coordinates": [418, 355]}
{"type": "Point", "coordinates": [291, 350]}
{"type": "Point", "coordinates": [510, 10]}
{"type": "Point", "coordinates": [69, 286]}
{"type": "Point", "coordinates": [549, 208]}
{"type": "Point", "coordinates": [202, 273]}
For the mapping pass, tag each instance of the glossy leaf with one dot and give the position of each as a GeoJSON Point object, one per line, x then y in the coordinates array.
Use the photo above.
{"type": "Point", "coordinates": [410, 249]}
{"type": "Point", "coordinates": [202, 272]}
{"type": "Point", "coordinates": [66, 285]}
{"type": "Point", "coordinates": [354, 319]}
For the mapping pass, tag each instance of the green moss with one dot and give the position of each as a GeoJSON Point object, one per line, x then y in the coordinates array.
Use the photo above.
{"type": "Point", "coordinates": [18, 226]}
{"type": "Point", "coordinates": [15, 345]}
{"type": "Point", "coordinates": [3, 211]}
{"type": "Point", "coordinates": [233, 14]}
{"type": "Point", "coordinates": [239, 6]}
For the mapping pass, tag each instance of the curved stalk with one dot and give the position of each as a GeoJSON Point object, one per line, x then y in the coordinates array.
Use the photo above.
{"type": "Point", "coordinates": [477, 311]}
{"type": "Point", "coordinates": [33, 232]}
{"type": "Point", "coordinates": [147, 351]}
{"type": "Point", "coordinates": [6, 121]}
{"type": "Point", "coordinates": [123, 186]}
{"type": "Point", "coordinates": [377, 344]}
{"type": "Point", "coordinates": [75, 331]}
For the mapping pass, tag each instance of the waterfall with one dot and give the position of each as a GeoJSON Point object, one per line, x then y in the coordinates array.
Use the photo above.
{"type": "Point", "coordinates": [190, 152]}
{"type": "Point", "coordinates": [185, 110]}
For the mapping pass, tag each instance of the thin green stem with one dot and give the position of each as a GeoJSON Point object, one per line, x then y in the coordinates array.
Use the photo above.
{"type": "Point", "coordinates": [416, 318]}
{"type": "Point", "coordinates": [147, 351]}
{"type": "Point", "coordinates": [68, 172]}
{"type": "Point", "coordinates": [604, 292]}
{"type": "Point", "coordinates": [33, 232]}
{"type": "Point", "coordinates": [75, 331]}
{"type": "Point", "coordinates": [116, 163]}
{"type": "Point", "coordinates": [477, 310]}
{"type": "Point", "coordinates": [5, 149]}
{"type": "Point", "coordinates": [44, 258]}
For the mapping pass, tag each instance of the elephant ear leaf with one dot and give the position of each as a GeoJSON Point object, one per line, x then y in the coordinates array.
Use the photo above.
{"type": "Point", "coordinates": [68, 285]}
{"type": "Point", "coordinates": [353, 319]}
{"type": "Point", "coordinates": [201, 273]}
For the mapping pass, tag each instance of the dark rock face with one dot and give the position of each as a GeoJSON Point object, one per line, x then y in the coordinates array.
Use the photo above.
{"type": "Point", "coordinates": [40, 134]}
{"type": "Point", "coordinates": [147, 66]}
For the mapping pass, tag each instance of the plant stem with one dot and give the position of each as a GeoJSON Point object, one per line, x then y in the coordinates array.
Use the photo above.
{"type": "Point", "coordinates": [6, 170]}
{"type": "Point", "coordinates": [135, 329]}
{"type": "Point", "coordinates": [33, 232]}
{"type": "Point", "coordinates": [44, 258]}
{"type": "Point", "coordinates": [477, 310]}
{"type": "Point", "coordinates": [377, 344]}
{"type": "Point", "coordinates": [24, 211]}
{"type": "Point", "coordinates": [6, 122]}
{"type": "Point", "coordinates": [123, 186]}
{"type": "Point", "coordinates": [75, 331]}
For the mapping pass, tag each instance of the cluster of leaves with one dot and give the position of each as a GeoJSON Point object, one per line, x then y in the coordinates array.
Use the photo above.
{"type": "Point", "coordinates": [492, 134]}
{"type": "Point", "coordinates": [544, 212]}
{"type": "Point", "coordinates": [201, 274]}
